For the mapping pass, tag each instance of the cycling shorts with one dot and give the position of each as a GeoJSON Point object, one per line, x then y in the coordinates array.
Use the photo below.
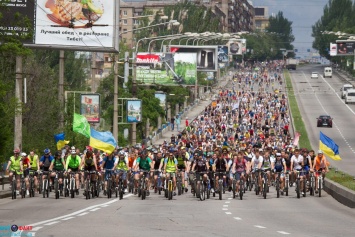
{"type": "Point", "coordinates": [123, 172]}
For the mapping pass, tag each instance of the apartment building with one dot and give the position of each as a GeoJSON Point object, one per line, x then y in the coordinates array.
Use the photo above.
{"type": "Point", "coordinates": [261, 19]}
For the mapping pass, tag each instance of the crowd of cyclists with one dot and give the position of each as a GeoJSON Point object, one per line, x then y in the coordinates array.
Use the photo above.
{"type": "Point", "coordinates": [243, 135]}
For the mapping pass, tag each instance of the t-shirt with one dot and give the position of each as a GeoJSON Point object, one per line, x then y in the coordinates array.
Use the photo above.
{"type": "Point", "coordinates": [144, 164]}
{"type": "Point", "coordinates": [46, 161]}
{"type": "Point", "coordinates": [26, 163]}
{"type": "Point", "coordinates": [33, 161]}
{"type": "Point", "coordinates": [58, 164]}
{"type": "Point", "coordinates": [170, 164]}
{"type": "Point", "coordinates": [109, 163]}
{"type": "Point", "coordinates": [256, 161]}
{"type": "Point", "coordinates": [73, 162]}
{"type": "Point", "coordinates": [15, 164]}
{"type": "Point", "coordinates": [297, 162]}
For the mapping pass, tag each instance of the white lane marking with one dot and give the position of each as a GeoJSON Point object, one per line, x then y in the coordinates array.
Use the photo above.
{"type": "Point", "coordinates": [224, 209]}
{"type": "Point", "coordinates": [37, 228]}
{"type": "Point", "coordinates": [225, 205]}
{"type": "Point", "coordinates": [230, 198]}
{"type": "Point", "coordinates": [68, 218]}
{"type": "Point", "coordinates": [52, 223]}
{"type": "Point", "coordinates": [78, 212]}
{"type": "Point", "coordinates": [259, 226]}
{"type": "Point", "coordinates": [227, 202]}
{"type": "Point", "coordinates": [104, 206]}
{"type": "Point", "coordinates": [283, 232]}
{"type": "Point", "coordinates": [31, 234]}
{"type": "Point", "coordinates": [237, 218]}
{"type": "Point", "coordinates": [228, 213]}
{"type": "Point", "coordinates": [95, 209]}
{"type": "Point", "coordinates": [84, 213]}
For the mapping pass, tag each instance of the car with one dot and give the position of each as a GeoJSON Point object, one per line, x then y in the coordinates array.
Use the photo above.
{"type": "Point", "coordinates": [344, 88]}
{"type": "Point", "coordinates": [314, 75]}
{"type": "Point", "coordinates": [325, 121]}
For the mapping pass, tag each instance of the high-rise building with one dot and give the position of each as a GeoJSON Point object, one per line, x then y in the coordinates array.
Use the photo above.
{"type": "Point", "coordinates": [261, 18]}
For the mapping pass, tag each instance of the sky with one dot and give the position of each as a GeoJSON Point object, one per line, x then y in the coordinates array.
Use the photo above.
{"type": "Point", "coordinates": [302, 13]}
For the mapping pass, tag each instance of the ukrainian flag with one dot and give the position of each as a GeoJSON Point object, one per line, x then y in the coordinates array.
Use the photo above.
{"type": "Point", "coordinates": [329, 147]}
{"type": "Point", "coordinates": [60, 140]}
{"type": "Point", "coordinates": [102, 140]}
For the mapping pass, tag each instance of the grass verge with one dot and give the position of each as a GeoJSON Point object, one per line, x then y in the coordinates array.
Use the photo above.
{"type": "Point", "coordinates": [340, 177]}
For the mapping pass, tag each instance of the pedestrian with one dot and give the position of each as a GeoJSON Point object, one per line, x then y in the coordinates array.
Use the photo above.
{"type": "Point", "coordinates": [186, 122]}
{"type": "Point", "coordinates": [178, 122]}
{"type": "Point", "coordinates": [172, 122]}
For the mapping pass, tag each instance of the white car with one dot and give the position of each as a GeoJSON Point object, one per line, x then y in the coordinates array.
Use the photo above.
{"type": "Point", "coordinates": [314, 75]}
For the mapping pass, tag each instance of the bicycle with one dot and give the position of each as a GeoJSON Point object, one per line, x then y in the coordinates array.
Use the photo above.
{"type": "Point", "coordinates": [99, 184]}
{"type": "Point", "coordinates": [45, 184]}
{"type": "Point", "coordinates": [89, 188]}
{"type": "Point", "coordinates": [142, 192]}
{"type": "Point", "coordinates": [320, 182]}
{"type": "Point", "coordinates": [220, 183]}
{"type": "Point", "coordinates": [66, 186]}
{"type": "Point", "coordinates": [278, 184]}
{"type": "Point", "coordinates": [40, 180]}
{"type": "Point", "coordinates": [256, 181]}
{"type": "Point", "coordinates": [14, 185]}
{"type": "Point", "coordinates": [298, 184]}
{"type": "Point", "coordinates": [72, 184]}
{"type": "Point", "coordinates": [179, 182]}
{"type": "Point", "coordinates": [131, 182]}
{"type": "Point", "coordinates": [56, 184]}
{"type": "Point", "coordinates": [265, 185]}
{"type": "Point", "coordinates": [287, 182]}
{"type": "Point", "coordinates": [120, 185]}
{"type": "Point", "coordinates": [159, 187]}
{"type": "Point", "coordinates": [312, 184]}
{"type": "Point", "coordinates": [201, 190]}
{"type": "Point", "coordinates": [109, 183]}
{"type": "Point", "coordinates": [169, 190]}
{"type": "Point", "coordinates": [31, 183]}
{"type": "Point", "coordinates": [23, 186]}
{"type": "Point", "coordinates": [241, 188]}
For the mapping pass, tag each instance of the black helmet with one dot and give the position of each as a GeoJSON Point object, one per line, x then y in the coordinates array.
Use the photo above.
{"type": "Point", "coordinates": [58, 153]}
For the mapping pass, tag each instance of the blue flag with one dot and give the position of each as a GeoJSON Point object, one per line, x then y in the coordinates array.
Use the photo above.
{"type": "Point", "coordinates": [328, 146]}
{"type": "Point", "coordinates": [60, 140]}
{"type": "Point", "coordinates": [102, 140]}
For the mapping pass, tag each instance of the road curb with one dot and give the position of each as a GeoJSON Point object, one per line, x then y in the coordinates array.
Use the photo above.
{"type": "Point", "coordinates": [5, 194]}
{"type": "Point", "coordinates": [340, 193]}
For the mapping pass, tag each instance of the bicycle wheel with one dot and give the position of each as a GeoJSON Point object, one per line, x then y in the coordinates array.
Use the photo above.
{"type": "Point", "coordinates": [208, 192]}
{"type": "Point", "coordinates": [109, 188]}
{"type": "Point", "coordinates": [72, 188]}
{"type": "Point", "coordinates": [319, 187]}
{"type": "Point", "coordinates": [44, 188]}
{"type": "Point", "coordinates": [298, 188]}
{"type": "Point", "coordinates": [234, 187]}
{"type": "Point", "coordinates": [304, 187]}
{"type": "Point", "coordinates": [56, 191]}
{"type": "Point", "coordinates": [220, 188]}
{"type": "Point", "coordinates": [40, 182]}
{"type": "Point", "coordinates": [202, 191]}
{"type": "Point", "coordinates": [241, 187]}
{"type": "Point", "coordinates": [277, 188]}
{"type": "Point", "coordinates": [179, 188]}
{"type": "Point", "coordinates": [143, 189]}
{"type": "Point", "coordinates": [13, 189]}
{"type": "Point", "coordinates": [311, 188]}
{"type": "Point", "coordinates": [264, 188]}
{"type": "Point", "coordinates": [87, 190]}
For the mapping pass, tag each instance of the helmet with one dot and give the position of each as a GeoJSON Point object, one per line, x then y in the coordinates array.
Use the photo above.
{"type": "Point", "coordinates": [23, 154]}
{"type": "Point", "coordinates": [17, 151]}
{"type": "Point", "coordinates": [73, 151]}
{"type": "Point", "coordinates": [58, 153]}
{"type": "Point", "coordinates": [320, 152]}
{"type": "Point", "coordinates": [121, 153]}
{"type": "Point", "coordinates": [46, 151]}
{"type": "Point", "coordinates": [88, 148]}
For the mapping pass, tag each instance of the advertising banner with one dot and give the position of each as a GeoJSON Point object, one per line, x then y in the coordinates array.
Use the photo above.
{"type": "Point", "coordinates": [90, 107]}
{"type": "Point", "coordinates": [222, 54]}
{"type": "Point", "coordinates": [333, 49]}
{"type": "Point", "coordinates": [134, 111]}
{"type": "Point", "coordinates": [162, 98]}
{"type": "Point", "coordinates": [9, 25]}
{"type": "Point", "coordinates": [166, 69]}
{"type": "Point", "coordinates": [206, 56]}
{"type": "Point", "coordinates": [237, 46]}
{"type": "Point", "coordinates": [345, 48]}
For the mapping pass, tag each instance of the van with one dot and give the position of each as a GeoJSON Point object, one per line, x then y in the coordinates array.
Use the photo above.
{"type": "Point", "coordinates": [344, 88]}
{"type": "Point", "coordinates": [350, 96]}
{"type": "Point", "coordinates": [328, 72]}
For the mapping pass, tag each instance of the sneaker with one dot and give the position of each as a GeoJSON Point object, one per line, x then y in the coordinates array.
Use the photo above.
{"type": "Point", "coordinates": [229, 189]}
{"type": "Point", "coordinates": [174, 193]}
{"type": "Point", "coordinates": [282, 193]}
{"type": "Point", "coordinates": [105, 193]}
{"type": "Point", "coordinates": [17, 192]}
{"type": "Point", "coordinates": [27, 193]}
{"type": "Point", "coordinates": [317, 191]}
{"type": "Point", "coordinates": [77, 192]}
{"type": "Point", "coordinates": [212, 190]}
{"type": "Point", "coordinates": [186, 190]}
{"type": "Point", "coordinates": [147, 192]}
{"type": "Point", "coordinates": [302, 193]}
{"type": "Point", "coordinates": [125, 190]}
{"type": "Point", "coordinates": [155, 190]}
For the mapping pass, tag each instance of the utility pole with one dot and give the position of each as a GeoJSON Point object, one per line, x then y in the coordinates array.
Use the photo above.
{"type": "Point", "coordinates": [18, 112]}
{"type": "Point", "coordinates": [93, 71]}
{"type": "Point", "coordinates": [126, 69]}
{"type": "Point", "coordinates": [115, 98]}
{"type": "Point", "coordinates": [61, 89]}
{"type": "Point", "coordinates": [134, 94]}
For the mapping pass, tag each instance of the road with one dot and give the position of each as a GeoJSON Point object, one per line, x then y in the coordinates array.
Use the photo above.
{"type": "Point", "coordinates": [322, 96]}
{"type": "Point", "coordinates": [187, 216]}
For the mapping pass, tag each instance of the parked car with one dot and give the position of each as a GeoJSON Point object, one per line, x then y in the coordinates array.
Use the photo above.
{"type": "Point", "coordinates": [325, 121]}
{"type": "Point", "coordinates": [344, 88]}
{"type": "Point", "coordinates": [314, 75]}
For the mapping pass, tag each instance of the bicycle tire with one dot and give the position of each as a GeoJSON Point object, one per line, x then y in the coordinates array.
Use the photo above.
{"type": "Point", "coordinates": [56, 189]}
{"type": "Point", "coordinates": [241, 189]}
{"type": "Point", "coordinates": [109, 187]}
{"type": "Point", "coordinates": [264, 188]}
{"type": "Point", "coordinates": [298, 188]}
{"type": "Point", "coordinates": [220, 189]}
{"type": "Point", "coordinates": [277, 188]}
{"type": "Point", "coordinates": [234, 187]}
{"type": "Point", "coordinates": [319, 187]}
{"type": "Point", "coordinates": [311, 189]}
{"type": "Point", "coordinates": [208, 192]}
{"type": "Point", "coordinates": [44, 188]}
{"type": "Point", "coordinates": [304, 188]}
{"type": "Point", "coordinates": [202, 191]}
{"type": "Point", "coordinates": [72, 191]}
{"type": "Point", "coordinates": [40, 181]}
{"type": "Point", "coordinates": [87, 192]}
{"type": "Point", "coordinates": [179, 190]}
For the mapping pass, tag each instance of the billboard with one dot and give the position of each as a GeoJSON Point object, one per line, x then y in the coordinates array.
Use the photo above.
{"type": "Point", "coordinates": [237, 46]}
{"type": "Point", "coordinates": [345, 47]}
{"type": "Point", "coordinates": [89, 25]}
{"type": "Point", "coordinates": [167, 69]}
{"type": "Point", "coordinates": [222, 54]}
{"type": "Point", "coordinates": [9, 25]}
{"type": "Point", "coordinates": [90, 107]}
{"type": "Point", "coordinates": [333, 49]}
{"type": "Point", "coordinates": [162, 98]}
{"type": "Point", "coordinates": [206, 56]}
{"type": "Point", "coordinates": [134, 111]}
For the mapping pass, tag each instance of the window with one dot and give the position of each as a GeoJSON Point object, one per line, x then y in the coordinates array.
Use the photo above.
{"type": "Point", "coordinates": [125, 13]}
{"type": "Point", "coordinates": [125, 22]}
{"type": "Point", "coordinates": [135, 22]}
{"type": "Point", "coordinates": [124, 30]}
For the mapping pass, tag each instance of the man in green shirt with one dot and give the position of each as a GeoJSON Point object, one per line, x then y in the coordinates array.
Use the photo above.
{"type": "Point", "coordinates": [143, 164]}
{"type": "Point", "coordinates": [72, 165]}
{"type": "Point", "coordinates": [121, 165]}
{"type": "Point", "coordinates": [15, 167]}
{"type": "Point", "coordinates": [58, 165]}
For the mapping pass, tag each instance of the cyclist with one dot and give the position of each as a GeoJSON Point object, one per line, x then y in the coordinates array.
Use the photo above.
{"type": "Point", "coordinates": [143, 164]}
{"type": "Point", "coordinates": [320, 165]}
{"type": "Point", "coordinates": [220, 166]}
{"type": "Point", "coordinates": [16, 168]}
{"type": "Point", "coordinates": [297, 162]}
{"type": "Point", "coordinates": [266, 167]}
{"type": "Point", "coordinates": [107, 164]}
{"type": "Point", "coordinates": [279, 165]}
{"type": "Point", "coordinates": [72, 165]}
{"type": "Point", "coordinates": [26, 170]}
{"type": "Point", "coordinates": [201, 166]}
{"type": "Point", "coordinates": [239, 168]}
{"type": "Point", "coordinates": [89, 163]}
{"type": "Point", "coordinates": [45, 162]}
{"type": "Point", "coordinates": [256, 163]}
{"type": "Point", "coordinates": [121, 164]}
{"type": "Point", "coordinates": [182, 164]}
{"type": "Point", "coordinates": [34, 167]}
{"type": "Point", "coordinates": [157, 165]}
{"type": "Point", "coordinates": [58, 166]}
{"type": "Point", "coordinates": [170, 169]}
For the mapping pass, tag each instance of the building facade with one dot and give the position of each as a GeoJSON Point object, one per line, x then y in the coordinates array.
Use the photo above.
{"type": "Point", "coordinates": [261, 18]}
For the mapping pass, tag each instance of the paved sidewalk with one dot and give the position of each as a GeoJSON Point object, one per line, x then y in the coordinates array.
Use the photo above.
{"type": "Point", "coordinates": [192, 114]}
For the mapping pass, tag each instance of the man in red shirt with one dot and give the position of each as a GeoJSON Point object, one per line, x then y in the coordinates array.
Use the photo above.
{"type": "Point", "coordinates": [26, 170]}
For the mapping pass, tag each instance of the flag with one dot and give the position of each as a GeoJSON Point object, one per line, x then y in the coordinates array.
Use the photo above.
{"type": "Point", "coordinates": [60, 140]}
{"type": "Point", "coordinates": [102, 140]}
{"type": "Point", "coordinates": [296, 139]}
{"type": "Point", "coordinates": [81, 125]}
{"type": "Point", "coordinates": [329, 147]}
